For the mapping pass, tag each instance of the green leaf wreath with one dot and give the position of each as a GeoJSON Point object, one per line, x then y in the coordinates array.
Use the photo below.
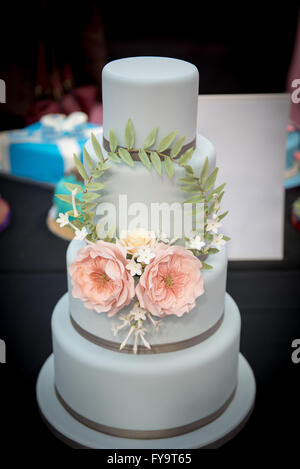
{"type": "Point", "coordinates": [199, 187]}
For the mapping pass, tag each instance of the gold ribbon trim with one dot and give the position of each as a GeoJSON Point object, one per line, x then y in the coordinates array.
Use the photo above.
{"type": "Point", "coordinates": [134, 152]}
{"type": "Point", "coordinates": [156, 348]}
{"type": "Point", "coordinates": [145, 434]}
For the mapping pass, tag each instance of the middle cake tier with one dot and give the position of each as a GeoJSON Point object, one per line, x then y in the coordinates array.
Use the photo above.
{"type": "Point", "coordinates": [181, 332]}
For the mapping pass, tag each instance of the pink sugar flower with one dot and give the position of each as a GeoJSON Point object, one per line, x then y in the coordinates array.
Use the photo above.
{"type": "Point", "coordinates": [171, 282]}
{"type": "Point", "coordinates": [100, 279]}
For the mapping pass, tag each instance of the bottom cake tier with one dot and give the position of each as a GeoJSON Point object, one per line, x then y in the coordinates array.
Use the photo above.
{"type": "Point", "coordinates": [145, 396]}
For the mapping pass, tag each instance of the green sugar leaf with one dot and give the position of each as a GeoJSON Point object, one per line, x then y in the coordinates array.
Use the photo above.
{"type": "Point", "coordinates": [90, 196]}
{"type": "Point", "coordinates": [213, 251]}
{"type": "Point", "coordinates": [150, 140]}
{"type": "Point", "coordinates": [88, 158]}
{"type": "Point", "coordinates": [96, 173]}
{"type": "Point", "coordinates": [208, 237]}
{"type": "Point", "coordinates": [102, 166]}
{"type": "Point", "coordinates": [126, 156]}
{"type": "Point", "coordinates": [144, 159]}
{"type": "Point", "coordinates": [189, 180]}
{"type": "Point", "coordinates": [65, 198]}
{"type": "Point", "coordinates": [220, 217]}
{"type": "Point", "coordinates": [208, 184]}
{"type": "Point", "coordinates": [169, 167]}
{"type": "Point", "coordinates": [156, 161]}
{"type": "Point", "coordinates": [97, 148]}
{"type": "Point", "coordinates": [186, 157]}
{"type": "Point", "coordinates": [177, 147]}
{"type": "Point", "coordinates": [80, 167]}
{"type": "Point", "coordinates": [113, 141]}
{"type": "Point", "coordinates": [226, 238]}
{"type": "Point", "coordinates": [87, 206]}
{"type": "Point", "coordinates": [195, 199]}
{"type": "Point", "coordinates": [68, 199]}
{"type": "Point", "coordinates": [129, 134]}
{"type": "Point", "coordinates": [189, 170]}
{"type": "Point", "coordinates": [204, 170]}
{"type": "Point", "coordinates": [72, 214]}
{"type": "Point", "coordinates": [206, 266]}
{"type": "Point", "coordinates": [166, 142]}
{"type": "Point", "coordinates": [94, 186]}
{"type": "Point", "coordinates": [72, 187]}
{"type": "Point", "coordinates": [211, 209]}
{"type": "Point", "coordinates": [190, 188]}
{"type": "Point", "coordinates": [78, 223]}
{"type": "Point", "coordinates": [113, 157]}
{"type": "Point", "coordinates": [219, 189]}
{"type": "Point", "coordinates": [221, 196]}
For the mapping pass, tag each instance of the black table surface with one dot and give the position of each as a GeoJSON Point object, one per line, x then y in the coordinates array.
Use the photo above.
{"type": "Point", "coordinates": [33, 278]}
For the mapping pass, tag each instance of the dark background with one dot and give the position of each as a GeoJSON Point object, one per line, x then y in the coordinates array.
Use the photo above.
{"type": "Point", "coordinates": [240, 50]}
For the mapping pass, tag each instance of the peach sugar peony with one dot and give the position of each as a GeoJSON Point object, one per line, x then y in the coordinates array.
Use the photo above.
{"type": "Point", "coordinates": [171, 282]}
{"type": "Point", "coordinates": [100, 279]}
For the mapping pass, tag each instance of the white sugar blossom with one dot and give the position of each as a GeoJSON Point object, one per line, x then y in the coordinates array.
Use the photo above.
{"type": "Point", "coordinates": [213, 224]}
{"type": "Point", "coordinates": [196, 243]}
{"type": "Point", "coordinates": [138, 313]}
{"type": "Point", "coordinates": [134, 267]}
{"type": "Point", "coordinates": [63, 219]}
{"type": "Point", "coordinates": [145, 255]}
{"type": "Point", "coordinates": [81, 234]}
{"type": "Point", "coordinates": [218, 242]}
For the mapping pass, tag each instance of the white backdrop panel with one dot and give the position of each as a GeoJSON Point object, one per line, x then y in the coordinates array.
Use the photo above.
{"type": "Point", "coordinates": [249, 133]}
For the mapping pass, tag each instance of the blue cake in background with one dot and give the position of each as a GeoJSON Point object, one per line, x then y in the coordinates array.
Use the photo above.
{"type": "Point", "coordinates": [59, 206]}
{"type": "Point", "coordinates": [292, 167]}
{"type": "Point", "coordinates": [43, 151]}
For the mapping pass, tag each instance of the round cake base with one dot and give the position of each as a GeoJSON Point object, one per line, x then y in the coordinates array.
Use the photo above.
{"type": "Point", "coordinates": [213, 435]}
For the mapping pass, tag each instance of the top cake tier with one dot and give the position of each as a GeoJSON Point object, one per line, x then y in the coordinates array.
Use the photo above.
{"type": "Point", "coordinates": [154, 92]}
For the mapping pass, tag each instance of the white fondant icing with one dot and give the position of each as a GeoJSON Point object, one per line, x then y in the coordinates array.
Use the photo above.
{"type": "Point", "coordinates": [154, 92]}
{"type": "Point", "coordinates": [208, 310]}
{"type": "Point", "coordinates": [214, 434]}
{"type": "Point", "coordinates": [145, 392]}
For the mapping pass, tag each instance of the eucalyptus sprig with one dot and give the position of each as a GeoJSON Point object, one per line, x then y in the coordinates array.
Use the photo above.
{"type": "Point", "coordinates": [151, 158]}
{"type": "Point", "coordinates": [202, 188]}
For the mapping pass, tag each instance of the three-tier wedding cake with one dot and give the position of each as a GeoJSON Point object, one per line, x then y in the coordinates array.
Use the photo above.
{"type": "Point", "coordinates": [146, 341]}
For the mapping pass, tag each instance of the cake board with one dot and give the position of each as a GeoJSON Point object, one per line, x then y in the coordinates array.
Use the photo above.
{"type": "Point", "coordinates": [64, 232]}
{"type": "Point", "coordinates": [213, 435]}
